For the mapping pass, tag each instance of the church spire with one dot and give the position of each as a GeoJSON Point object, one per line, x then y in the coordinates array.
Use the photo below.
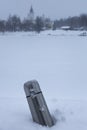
{"type": "Point", "coordinates": [31, 10]}
{"type": "Point", "coordinates": [31, 14]}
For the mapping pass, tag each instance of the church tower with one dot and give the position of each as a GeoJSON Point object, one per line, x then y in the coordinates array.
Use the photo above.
{"type": "Point", "coordinates": [31, 14]}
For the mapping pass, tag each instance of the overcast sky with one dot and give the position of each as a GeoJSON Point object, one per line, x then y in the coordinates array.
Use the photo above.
{"type": "Point", "coordinates": [54, 9]}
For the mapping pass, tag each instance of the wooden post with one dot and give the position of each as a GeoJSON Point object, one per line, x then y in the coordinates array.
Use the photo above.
{"type": "Point", "coordinates": [37, 104]}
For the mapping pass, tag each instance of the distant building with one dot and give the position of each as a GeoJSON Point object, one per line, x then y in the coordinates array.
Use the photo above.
{"type": "Point", "coordinates": [31, 14]}
{"type": "Point", "coordinates": [66, 28]}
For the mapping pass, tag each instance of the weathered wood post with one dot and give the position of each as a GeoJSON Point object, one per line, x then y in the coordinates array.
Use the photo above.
{"type": "Point", "coordinates": [37, 104]}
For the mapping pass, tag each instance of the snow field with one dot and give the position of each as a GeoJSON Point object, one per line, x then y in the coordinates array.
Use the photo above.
{"type": "Point", "coordinates": [57, 60]}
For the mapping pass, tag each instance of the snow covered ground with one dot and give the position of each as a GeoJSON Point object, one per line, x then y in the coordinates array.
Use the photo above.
{"type": "Point", "coordinates": [58, 61]}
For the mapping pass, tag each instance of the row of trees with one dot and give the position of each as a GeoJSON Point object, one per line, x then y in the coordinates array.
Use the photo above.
{"type": "Point", "coordinates": [75, 23]}
{"type": "Point", "coordinates": [14, 23]}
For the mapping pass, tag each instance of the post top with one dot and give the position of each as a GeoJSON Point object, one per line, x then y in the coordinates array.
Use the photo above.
{"type": "Point", "coordinates": [31, 88]}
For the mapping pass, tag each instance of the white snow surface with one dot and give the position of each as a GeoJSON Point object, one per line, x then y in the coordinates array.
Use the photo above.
{"type": "Point", "coordinates": [58, 61]}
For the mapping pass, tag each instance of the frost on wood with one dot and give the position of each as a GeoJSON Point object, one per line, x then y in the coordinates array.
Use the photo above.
{"type": "Point", "coordinates": [37, 104]}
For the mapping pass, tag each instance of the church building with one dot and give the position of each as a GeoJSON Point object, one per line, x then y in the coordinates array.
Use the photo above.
{"type": "Point", "coordinates": [31, 14]}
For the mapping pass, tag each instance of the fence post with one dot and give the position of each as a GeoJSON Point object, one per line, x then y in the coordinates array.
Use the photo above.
{"type": "Point", "coordinates": [37, 104]}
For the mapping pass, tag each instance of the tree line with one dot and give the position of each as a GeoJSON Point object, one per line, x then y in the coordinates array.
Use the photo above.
{"type": "Point", "coordinates": [14, 23]}
{"type": "Point", "coordinates": [74, 23]}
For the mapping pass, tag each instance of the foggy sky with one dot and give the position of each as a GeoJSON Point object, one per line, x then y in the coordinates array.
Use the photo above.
{"type": "Point", "coordinates": [54, 9]}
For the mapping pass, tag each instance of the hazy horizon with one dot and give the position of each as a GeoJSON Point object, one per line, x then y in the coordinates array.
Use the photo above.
{"type": "Point", "coordinates": [54, 9]}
